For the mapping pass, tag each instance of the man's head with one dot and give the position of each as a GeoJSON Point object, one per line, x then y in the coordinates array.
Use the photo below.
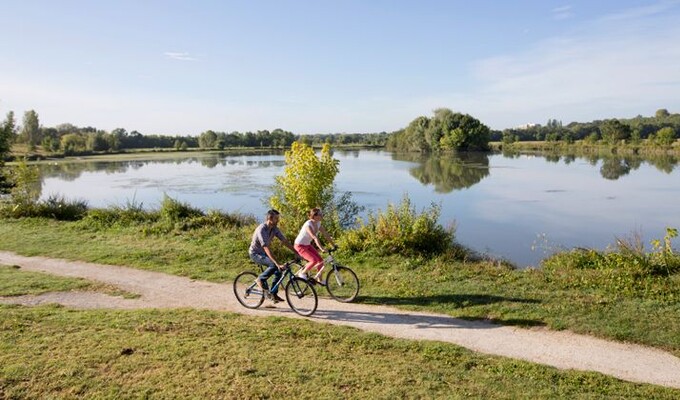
{"type": "Point", "coordinates": [273, 217]}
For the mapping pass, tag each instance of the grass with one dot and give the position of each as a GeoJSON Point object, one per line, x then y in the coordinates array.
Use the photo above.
{"type": "Point", "coordinates": [15, 282]}
{"type": "Point", "coordinates": [466, 290]}
{"type": "Point", "coordinates": [52, 352]}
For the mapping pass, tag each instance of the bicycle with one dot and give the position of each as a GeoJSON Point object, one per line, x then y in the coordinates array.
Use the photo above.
{"type": "Point", "coordinates": [300, 294]}
{"type": "Point", "coordinates": [341, 282]}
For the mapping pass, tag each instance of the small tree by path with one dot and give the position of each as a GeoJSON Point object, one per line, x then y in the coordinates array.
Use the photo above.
{"type": "Point", "coordinates": [307, 182]}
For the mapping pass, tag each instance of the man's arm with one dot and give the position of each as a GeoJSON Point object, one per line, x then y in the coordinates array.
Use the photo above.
{"type": "Point", "coordinates": [271, 256]}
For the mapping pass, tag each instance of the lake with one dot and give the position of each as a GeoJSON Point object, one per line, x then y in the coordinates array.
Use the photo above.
{"type": "Point", "coordinates": [519, 207]}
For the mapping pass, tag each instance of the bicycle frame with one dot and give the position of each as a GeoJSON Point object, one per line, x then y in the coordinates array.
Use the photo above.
{"type": "Point", "coordinates": [300, 294]}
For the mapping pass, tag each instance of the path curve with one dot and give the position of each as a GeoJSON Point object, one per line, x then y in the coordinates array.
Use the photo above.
{"type": "Point", "coordinates": [563, 350]}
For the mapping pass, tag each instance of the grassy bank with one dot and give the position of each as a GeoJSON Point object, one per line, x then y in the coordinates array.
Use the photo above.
{"type": "Point", "coordinates": [53, 352]}
{"type": "Point", "coordinates": [472, 290]}
{"type": "Point", "coordinates": [584, 148]}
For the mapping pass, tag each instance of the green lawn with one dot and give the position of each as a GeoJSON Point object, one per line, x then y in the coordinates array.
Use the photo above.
{"type": "Point", "coordinates": [464, 290]}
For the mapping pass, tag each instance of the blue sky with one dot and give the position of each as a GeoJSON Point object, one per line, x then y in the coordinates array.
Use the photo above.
{"type": "Point", "coordinates": [182, 67]}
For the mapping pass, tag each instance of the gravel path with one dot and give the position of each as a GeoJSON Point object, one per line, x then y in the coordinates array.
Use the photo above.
{"type": "Point", "coordinates": [563, 350]}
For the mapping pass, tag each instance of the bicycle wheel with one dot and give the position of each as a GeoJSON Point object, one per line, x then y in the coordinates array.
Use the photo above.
{"type": "Point", "coordinates": [301, 296]}
{"type": "Point", "coordinates": [342, 284]}
{"type": "Point", "coordinates": [246, 290]}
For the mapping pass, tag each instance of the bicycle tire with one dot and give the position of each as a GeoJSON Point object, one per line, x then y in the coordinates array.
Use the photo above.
{"type": "Point", "coordinates": [246, 291]}
{"type": "Point", "coordinates": [301, 296]}
{"type": "Point", "coordinates": [342, 284]}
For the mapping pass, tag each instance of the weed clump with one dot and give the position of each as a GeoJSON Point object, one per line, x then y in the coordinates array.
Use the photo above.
{"type": "Point", "coordinates": [628, 270]}
{"type": "Point", "coordinates": [400, 229]}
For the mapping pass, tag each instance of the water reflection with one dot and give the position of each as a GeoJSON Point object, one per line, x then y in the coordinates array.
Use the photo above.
{"type": "Point", "coordinates": [571, 198]}
{"type": "Point", "coordinates": [72, 170]}
{"type": "Point", "coordinates": [613, 165]}
{"type": "Point", "coordinates": [448, 172]}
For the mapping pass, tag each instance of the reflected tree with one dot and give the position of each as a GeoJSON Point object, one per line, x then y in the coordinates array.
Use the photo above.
{"type": "Point", "coordinates": [448, 172]}
{"type": "Point", "coordinates": [613, 168]}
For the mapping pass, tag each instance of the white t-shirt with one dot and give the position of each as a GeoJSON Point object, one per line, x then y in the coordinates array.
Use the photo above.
{"type": "Point", "coordinates": [304, 237]}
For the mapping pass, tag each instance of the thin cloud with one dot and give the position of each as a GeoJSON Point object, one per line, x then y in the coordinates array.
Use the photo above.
{"type": "Point", "coordinates": [179, 56]}
{"type": "Point", "coordinates": [605, 69]}
{"type": "Point", "coordinates": [644, 11]}
{"type": "Point", "coordinates": [561, 13]}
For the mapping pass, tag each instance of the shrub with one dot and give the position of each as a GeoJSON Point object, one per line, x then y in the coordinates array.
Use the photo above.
{"type": "Point", "coordinates": [131, 214]}
{"type": "Point", "coordinates": [55, 207]}
{"type": "Point", "coordinates": [401, 229]}
{"type": "Point", "coordinates": [175, 211]}
{"type": "Point", "coordinates": [628, 270]}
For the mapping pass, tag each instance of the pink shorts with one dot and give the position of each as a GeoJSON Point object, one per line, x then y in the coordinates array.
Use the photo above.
{"type": "Point", "coordinates": [309, 253]}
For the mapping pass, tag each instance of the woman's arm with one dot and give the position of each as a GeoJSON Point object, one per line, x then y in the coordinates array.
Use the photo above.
{"type": "Point", "coordinates": [327, 236]}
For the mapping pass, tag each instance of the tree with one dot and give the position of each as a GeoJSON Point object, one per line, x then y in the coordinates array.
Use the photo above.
{"type": "Point", "coordinates": [207, 139]}
{"type": "Point", "coordinates": [446, 130]}
{"type": "Point", "coordinates": [665, 136]}
{"type": "Point", "coordinates": [30, 131]}
{"type": "Point", "coordinates": [73, 143]}
{"type": "Point", "coordinates": [7, 134]}
{"type": "Point", "coordinates": [614, 131]}
{"type": "Point", "coordinates": [307, 182]}
{"type": "Point", "coordinates": [662, 113]}
{"type": "Point", "coordinates": [97, 142]}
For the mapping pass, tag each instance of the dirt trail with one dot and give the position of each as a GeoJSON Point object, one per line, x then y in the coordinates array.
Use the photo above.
{"type": "Point", "coordinates": [558, 349]}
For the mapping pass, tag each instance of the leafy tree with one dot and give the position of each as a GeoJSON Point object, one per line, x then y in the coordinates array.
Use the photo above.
{"type": "Point", "coordinates": [207, 139]}
{"type": "Point", "coordinates": [662, 113]}
{"type": "Point", "coordinates": [614, 131]}
{"type": "Point", "coordinates": [30, 131]}
{"type": "Point", "coordinates": [307, 182]}
{"type": "Point", "coordinates": [97, 142]}
{"type": "Point", "coordinates": [665, 136]}
{"type": "Point", "coordinates": [7, 134]}
{"type": "Point", "coordinates": [73, 144]}
{"type": "Point", "coordinates": [446, 130]}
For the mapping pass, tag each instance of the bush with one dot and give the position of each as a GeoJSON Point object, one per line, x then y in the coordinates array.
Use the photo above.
{"type": "Point", "coordinates": [131, 214]}
{"type": "Point", "coordinates": [172, 216]}
{"type": "Point", "coordinates": [55, 207]}
{"type": "Point", "coordinates": [175, 211]}
{"type": "Point", "coordinates": [401, 229]}
{"type": "Point", "coordinates": [627, 271]}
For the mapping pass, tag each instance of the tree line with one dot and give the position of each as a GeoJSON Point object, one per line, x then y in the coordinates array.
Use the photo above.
{"type": "Point", "coordinates": [445, 130]}
{"type": "Point", "coordinates": [68, 139]}
{"type": "Point", "coordinates": [661, 129]}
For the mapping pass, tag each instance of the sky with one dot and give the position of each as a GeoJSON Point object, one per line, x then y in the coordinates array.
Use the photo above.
{"type": "Point", "coordinates": [183, 67]}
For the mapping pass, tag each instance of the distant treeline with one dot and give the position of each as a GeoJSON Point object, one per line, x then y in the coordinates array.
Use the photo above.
{"type": "Point", "coordinates": [662, 129]}
{"type": "Point", "coordinates": [68, 139]}
{"type": "Point", "coordinates": [446, 130]}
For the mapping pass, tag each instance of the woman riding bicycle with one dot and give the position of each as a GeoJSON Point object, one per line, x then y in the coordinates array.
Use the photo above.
{"type": "Point", "coordinates": [303, 244]}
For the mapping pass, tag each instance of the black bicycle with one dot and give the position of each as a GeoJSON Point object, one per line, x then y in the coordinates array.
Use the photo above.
{"type": "Point", "coordinates": [300, 294]}
{"type": "Point", "coordinates": [341, 282]}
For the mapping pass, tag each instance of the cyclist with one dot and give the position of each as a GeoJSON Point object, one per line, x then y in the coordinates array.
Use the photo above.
{"type": "Point", "coordinates": [260, 252]}
{"type": "Point", "coordinates": [303, 244]}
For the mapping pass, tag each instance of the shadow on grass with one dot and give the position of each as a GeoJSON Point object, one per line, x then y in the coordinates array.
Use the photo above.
{"type": "Point", "coordinates": [459, 300]}
{"type": "Point", "coordinates": [420, 321]}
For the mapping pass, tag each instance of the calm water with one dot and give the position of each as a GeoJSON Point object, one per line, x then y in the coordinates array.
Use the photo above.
{"type": "Point", "coordinates": [518, 207]}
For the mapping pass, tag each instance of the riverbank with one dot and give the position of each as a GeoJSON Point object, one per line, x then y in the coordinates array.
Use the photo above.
{"type": "Point", "coordinates": [162, 292]}
{"type": "Point", "coordinates": [461, 289]}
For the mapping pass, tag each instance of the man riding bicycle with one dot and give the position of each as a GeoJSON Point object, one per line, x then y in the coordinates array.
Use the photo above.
{"type": "Point", "coordinates": [261, 254]}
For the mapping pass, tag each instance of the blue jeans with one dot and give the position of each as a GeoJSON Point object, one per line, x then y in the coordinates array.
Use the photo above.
{"type": "Point", "coordinates": [271, 269]}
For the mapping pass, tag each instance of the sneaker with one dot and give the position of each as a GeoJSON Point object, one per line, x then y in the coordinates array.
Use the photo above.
{"type": "Point", "coordinates": [275, 298]}
{"type": "Point", "coordinates": [318, 279]}
{"type": "Point", "coordinates": [302, 275]}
